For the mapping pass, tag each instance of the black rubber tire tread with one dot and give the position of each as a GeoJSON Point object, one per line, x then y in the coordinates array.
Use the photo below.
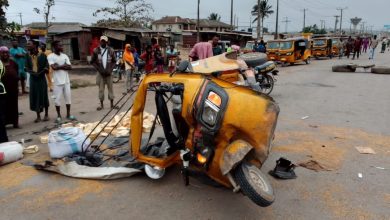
{"type": "Point", "coordinates": [269, 80]}
{"type": "Point", "coordinates": [248, 190]}
{"type": "Point", "coordinates": [254, 59]}
{"type": "Point", "coordinates": [343, 68]}
{"type": "Point", "coordinates": [380, 70]}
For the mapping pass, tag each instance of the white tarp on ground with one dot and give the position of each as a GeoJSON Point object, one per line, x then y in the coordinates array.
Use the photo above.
{"type": "Point", "coordinates": [72, 169]}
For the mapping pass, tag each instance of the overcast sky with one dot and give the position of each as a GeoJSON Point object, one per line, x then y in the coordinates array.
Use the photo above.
{"type": "Point", "coordinates": [373, 12]}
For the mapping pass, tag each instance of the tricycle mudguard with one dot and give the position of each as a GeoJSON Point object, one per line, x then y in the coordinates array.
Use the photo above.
{"type": "Point", "coordinates": [234, 154]}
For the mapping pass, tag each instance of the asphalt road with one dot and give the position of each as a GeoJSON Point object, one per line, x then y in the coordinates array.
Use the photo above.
{"type": "Point", "coordinates": [345, 110]}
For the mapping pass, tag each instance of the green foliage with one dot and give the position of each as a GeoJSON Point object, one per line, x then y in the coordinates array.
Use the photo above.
{"type": "Point", "coordinates": [12, 28]}
{"type": "Point", "coordinates": [265, 10]}
{"type": "Point", "coordinates": [125, 13]}
{"type": "Point", "coordinates": [314, 29]}
{"type": "Point", "coordinates": [215, 17]}
{"type": "Point", "coordinates": [3, 21]}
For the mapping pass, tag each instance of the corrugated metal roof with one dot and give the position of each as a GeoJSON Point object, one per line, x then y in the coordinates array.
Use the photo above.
{"type": "Point", "coordinates": [58, 27]}
{"type": "Point", "coordinates": [206, 23]}
{"type": "Point", "coordinates": [173, 20]}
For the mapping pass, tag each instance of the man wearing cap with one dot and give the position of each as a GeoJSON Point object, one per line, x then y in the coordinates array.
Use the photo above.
{"type": "Point", "coordinates": [103, 59]}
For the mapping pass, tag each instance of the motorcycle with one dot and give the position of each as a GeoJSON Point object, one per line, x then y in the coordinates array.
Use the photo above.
{"type": "Point", "coordinates": [118, 71]}
{"type": "Point", "coordinates": [211, 126]}
{"type": "Point", "coordinates": [266, 76]}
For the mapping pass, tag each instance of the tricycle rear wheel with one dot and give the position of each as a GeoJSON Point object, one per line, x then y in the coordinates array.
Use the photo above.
{"type": "Point", "coordinates": [254, 184]}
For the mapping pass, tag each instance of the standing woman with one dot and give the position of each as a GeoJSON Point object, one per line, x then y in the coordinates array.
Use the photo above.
{"type": "Point", "coordinates": [128, 59]}
{"type": "Point", "coordinates": [10, 81]}
{"type": "Point", "coordinates": [148, 57]}
{"type": "Point", "coordinates": [3, 131]}
{"type": "Point", "coordinates": [38, 66]}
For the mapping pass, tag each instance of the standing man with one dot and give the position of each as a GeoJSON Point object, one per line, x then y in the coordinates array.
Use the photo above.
{"type": "Point", "coordinates": [374, 43]}
{"type": "Point", "coordinates": [38, 67]}
{"type": "Point", "coordinates": [103, 59]}
{"type": "Point", "coordinates": [356, 47]}
{"type": "Point", "coordinates": [217, 50]}
{"type": "Point", "coordinates": [19, 56]}
{"type": "Point", "coordinates": [349, 46]}
{"type": "Point", "coordinates": [3, 131]}
{"type": "Point", "coordinates": [60, 64]}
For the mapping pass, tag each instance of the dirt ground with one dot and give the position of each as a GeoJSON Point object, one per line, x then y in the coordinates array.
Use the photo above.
{"type": "Point", "coordinates": [345, 110]}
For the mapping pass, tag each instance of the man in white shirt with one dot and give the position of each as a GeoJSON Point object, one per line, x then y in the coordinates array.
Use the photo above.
{"type": "Point", "coordinates": [103, 59]}
{"type": "Point", "coordinates": [373, 45]}
{"type": "Point", "coordinates": [60, 64]}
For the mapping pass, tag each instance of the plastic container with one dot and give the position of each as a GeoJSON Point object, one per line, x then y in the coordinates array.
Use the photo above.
{"type": "Point", "coordinates": [10, 152]}
{"type": "Point", "coordinates": [66, 141]}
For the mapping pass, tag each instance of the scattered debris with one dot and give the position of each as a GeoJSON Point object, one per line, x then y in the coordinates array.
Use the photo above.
{"type": "Point", "coordinates": [10, 152]}
{"type": "Point", "coordinates": [284, 169]}
{"type": "Point", "coordinates": [360, 175]}
{"type": "Point", "coordinates": [44, 139]}
{"type": "Point", "coordinates": [365, 150]}
{"type": "Point", "coordinates": [313, 126]}
{"type": "Point", "coordinates": [72, 169]}
{"type": "Point", "coordinates": [305, 117]}
{"type": "Point", "coordinates": [381, 168]}
{"type": "Point", "coordinates": [314, 165]}
{"type": "Point", "coordinates": [117, 127]}
{"type": "Point", "coordinates": [31, 149]}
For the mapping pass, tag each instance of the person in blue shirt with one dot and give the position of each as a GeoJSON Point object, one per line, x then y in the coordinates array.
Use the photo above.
{"type": "Point", "coordinates": [19, 56]}
{"type": "Point", "coordinates": [136, 62]}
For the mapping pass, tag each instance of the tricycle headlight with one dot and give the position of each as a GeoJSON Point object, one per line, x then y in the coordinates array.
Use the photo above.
{"type": "Point", "coordinates": [289, 54]}
{"type": "Point", "coordinates": [211, 109]}
{"type": "Point", "coordinates": [210, 113]}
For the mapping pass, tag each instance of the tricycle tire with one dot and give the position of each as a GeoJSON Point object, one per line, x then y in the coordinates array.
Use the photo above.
{"type": "Point", "coordinates": [254, 184]}
{"type": "Point", "coordinates": [380, 70]}
{"type": "Point", "coordinates": [344, 68]}
{"type": "Point", "coordinates": [254, 59]}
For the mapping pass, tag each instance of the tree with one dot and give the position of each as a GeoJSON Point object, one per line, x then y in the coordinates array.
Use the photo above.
{"type": "Point", "coordinates": [215, 17]}
{"type": "Point", "coordinates": [46, 12]}
{"type": "Point", "coordinates": [127, 13]}
{"type": "Point", "coordinates": [3, 21]}
{"type": "Point", "coordinates": [262, 10]}
{"type": "Point", "coordinates": [313, 29]}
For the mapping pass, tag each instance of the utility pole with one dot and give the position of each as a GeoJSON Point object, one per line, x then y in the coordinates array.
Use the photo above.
{"type": "Point", "coordinates": [277, 20]}
{"type": "Point", "coordinates": [198, 23]}
{"type": "Point", "coordinates": [335, 23]}
{"type": "Point", "coordinates": [258, 19]}
{"type": "Point", "coordinates": [304, 18]}
{"type": "Point", "coordinates": [21, 20]}
{"type": "Point", "coordinates": [286, 21]}
{"type": "Point", "coordinates": [322, 24]}
{"type": "Point", "coordinates": [234, 24]}
{"type": "Point", "coordinates": [237, 25]}
{"type": "Point", "coordinates": [363, 27]}
{"type": "Point", "coordinates": [231, 14]}
{"type": "Point", "coordinates": [341, 18]}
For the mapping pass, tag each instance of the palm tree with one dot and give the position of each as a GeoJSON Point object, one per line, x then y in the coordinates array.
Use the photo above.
{"type": "Point", "coordinates": [215, 17]}
{"type": "Point", "coordinates": [265, 11]}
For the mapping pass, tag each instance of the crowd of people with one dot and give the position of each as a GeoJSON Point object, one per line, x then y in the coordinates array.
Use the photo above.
{"type": "Point", "coordinates": [34, 71]}
{"type": "Point", "coordinates": [357, 46]}
{"type": "Point", "coordinates": [31, 67]}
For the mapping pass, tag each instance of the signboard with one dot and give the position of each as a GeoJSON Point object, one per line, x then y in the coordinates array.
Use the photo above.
{"type": "Point", "coordinates": [36, 32]}
{"type": "Point", "coordinates": [387, 26]}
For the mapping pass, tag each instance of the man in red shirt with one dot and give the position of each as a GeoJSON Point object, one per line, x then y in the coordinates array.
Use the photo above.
{"type": "Point", "coordinates": [356, 47]}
